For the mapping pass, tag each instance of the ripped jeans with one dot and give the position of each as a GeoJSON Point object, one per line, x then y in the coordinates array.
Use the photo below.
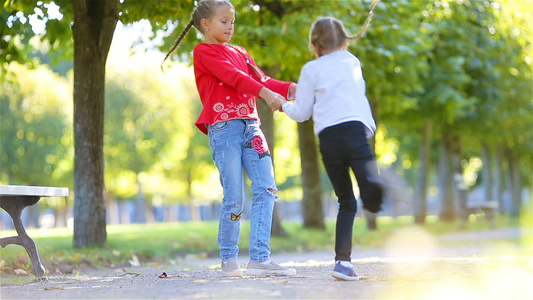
{"type": "Point", "coordinates": [239, 144]}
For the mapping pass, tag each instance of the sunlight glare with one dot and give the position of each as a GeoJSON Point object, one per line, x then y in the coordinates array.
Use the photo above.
{"type": "Point", "coordinates": [411, 242]}
{"type": "Point", "coordinates": [53, 11]}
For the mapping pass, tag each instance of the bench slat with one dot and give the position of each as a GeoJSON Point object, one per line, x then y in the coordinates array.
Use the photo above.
{"type": "Point", "coordinates": [43, 191]}
{"type": "Point", "coordinates": [484, 204]}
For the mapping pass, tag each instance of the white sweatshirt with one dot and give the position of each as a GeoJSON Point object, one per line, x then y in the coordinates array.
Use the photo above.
{"type": "Point", "coordinates": [332, 89]}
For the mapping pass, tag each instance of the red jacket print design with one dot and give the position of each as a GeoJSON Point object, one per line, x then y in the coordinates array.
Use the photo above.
{"type": "Point", "coordinates": [227, 85]}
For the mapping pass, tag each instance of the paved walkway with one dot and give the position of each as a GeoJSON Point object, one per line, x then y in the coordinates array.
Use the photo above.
{"type": "Point", "coordinates": [412, 265]}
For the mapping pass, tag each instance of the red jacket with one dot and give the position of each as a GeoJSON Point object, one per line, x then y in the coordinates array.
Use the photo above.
{"type": "Point", "coordinates": [227, 85]}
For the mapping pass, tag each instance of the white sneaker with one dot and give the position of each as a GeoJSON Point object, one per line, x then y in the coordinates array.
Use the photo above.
{"type": "Point", "coordinates": [270, 269]}
{"type": "Point", "coordinates": [231, 268]}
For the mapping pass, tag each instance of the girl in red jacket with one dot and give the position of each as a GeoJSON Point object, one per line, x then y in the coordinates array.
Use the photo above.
{"type": "Point", "coordinates": [228, 82]}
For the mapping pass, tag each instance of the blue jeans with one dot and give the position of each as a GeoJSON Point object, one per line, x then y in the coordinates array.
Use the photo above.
{"type": "Point", "coordinates": [344, 147]}
{"type": "Point", "coordinates": [239, 144]}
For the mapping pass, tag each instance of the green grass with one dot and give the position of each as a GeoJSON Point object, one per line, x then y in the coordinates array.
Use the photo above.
{"type": "Point", "coordinates": [164, 242]}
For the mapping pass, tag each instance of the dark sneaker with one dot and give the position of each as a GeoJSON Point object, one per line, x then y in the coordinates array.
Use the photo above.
{"type": "Point", "coordinates": [395, 186]}
{"type": "Point", "coordinates": [387, 186]}
{"type": "Point", "coordinates": [341, 272]}
{"type": "Point", "coordinates": [373, 195]}
{"type": "Point", "coordinates": [231, 268]}
{"type": "Point", "coordinates": [271, 269]}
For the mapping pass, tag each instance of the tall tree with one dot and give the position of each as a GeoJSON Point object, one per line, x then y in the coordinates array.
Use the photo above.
{"type": "Point", "coordinates": [422, 176]}
{"type": "Point", "coordinates": [312, 191]}
{"type": "Point", "coordinates": [513, 34]}
{"type": "Point", "coordinates": [267, 126]}
{"type": "Point", "coordinates": [312, 198]}
{"type": "Point", "coordinates": [94, 24]}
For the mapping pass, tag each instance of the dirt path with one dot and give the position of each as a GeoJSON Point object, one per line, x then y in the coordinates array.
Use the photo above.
{"type": "Point", "coordinates": [411, 266]}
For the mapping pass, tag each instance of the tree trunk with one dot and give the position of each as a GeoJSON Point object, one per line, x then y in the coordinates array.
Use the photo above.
{"type": "Point", "coordinates": [371, 222]}
{"type": "Point", "coordinates": [457, 168]}
{"type": "Point", "coordinates": [267, 126]}
{"type": "Point", "coordinates": [112, 208]}
{"type": "Point", "coordinates": [123, 212]}
{"type": "Point", "coordinates": [94, 24]}
{"type": "Point", "coordinates": [169, 213]}
{"type": "Point", "coordinates": [148, 206]}
{"type": "Point", "coordinates": [422, 179]}
{"type": "Point", "coordinates": [140, 205]}
{"type": "Point", "coordinates": [446, 194]}
{"type": "Point", "coordinates": [312, 191]}
{"type": "Point", "coordinates": [499, 179]}
{"type": "Point", "coordinates": [194, 210]}
{"type": "Point", "coordinates": [488, 183]}
{"type": "Point", "coordinates": [61, 214]}
{"type": "Point", "coordinates": [515, 186]}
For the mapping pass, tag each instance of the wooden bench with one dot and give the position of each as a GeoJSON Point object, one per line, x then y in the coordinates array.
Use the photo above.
{"type": "Point", "coordinates": [469, 205]}
{"type": "Point", "coordinates": [13, 199]}
{"type": "Point", "coordinates": [486, 208]}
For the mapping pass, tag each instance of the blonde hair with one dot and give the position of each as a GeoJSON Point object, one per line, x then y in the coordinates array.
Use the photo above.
{"type": "Point", "coordinates": [328, 33]}
{"type": "Point", "coordinates": [204, 10]}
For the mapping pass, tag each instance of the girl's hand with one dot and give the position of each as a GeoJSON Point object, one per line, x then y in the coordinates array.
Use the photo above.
{"type": "Point", "coordinates": [281, 102]}
{"type": "Point", "coordinates": [292, 91]}
{"type": "Point", "coordinates": [272, 99]}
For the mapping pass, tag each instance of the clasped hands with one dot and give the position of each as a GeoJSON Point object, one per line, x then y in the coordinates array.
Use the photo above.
{"type": "Point", "coordinates": [275, 100]}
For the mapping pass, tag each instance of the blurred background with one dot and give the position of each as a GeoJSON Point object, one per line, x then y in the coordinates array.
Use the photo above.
{"type": "Point", "coordinates": [450, 84]}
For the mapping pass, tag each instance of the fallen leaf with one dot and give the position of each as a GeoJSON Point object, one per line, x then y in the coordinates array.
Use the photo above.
{"type": "Point", "coordinates": [135, 261]}
{"type": "Point", "coordinates": [366, 278]}
{"type": "Point", "coordinates": [51, 288]}
{"type": "Point", "coordinates": [2, 264]}
{"type": "Point", "coordinates": [200, 281]}
{"type": "Point", "coordinates": [21, 272]}
{"type": "Point", "coordinates": [164, 275]}
{"type": "Point", "coordinates": [18, 265]}
{"type": "Point", "coordinates": [280, 281]}
{"type": "Point", "coordinates": [66, 269]}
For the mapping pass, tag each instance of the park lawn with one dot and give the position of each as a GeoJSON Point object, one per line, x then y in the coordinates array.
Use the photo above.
{"type": "Point", "coordinates": [165, 243]}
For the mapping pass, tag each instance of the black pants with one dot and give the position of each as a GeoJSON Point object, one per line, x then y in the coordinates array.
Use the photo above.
{"type": "Point", "coordinates": [344, 147]}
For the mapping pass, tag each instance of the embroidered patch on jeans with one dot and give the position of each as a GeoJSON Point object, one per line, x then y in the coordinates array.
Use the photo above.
{"type": "Point", "coordinates": [235, 217]}
{"type": "Point", "coordinates": [259, 145]}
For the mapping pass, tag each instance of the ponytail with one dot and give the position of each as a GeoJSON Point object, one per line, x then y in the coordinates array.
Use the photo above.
{"type": "Point", "coordinates": [328, 33]}
{"type": "Point", "coordinates": [205, 9]}
{"type": "Point", "coordinates": [367, 22]}
{"type": "Point", "coordinates": [178, 41]}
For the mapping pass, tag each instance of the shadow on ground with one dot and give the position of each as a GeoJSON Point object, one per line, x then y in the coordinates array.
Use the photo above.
{"type": "Point", "coordinates": [469, 265]}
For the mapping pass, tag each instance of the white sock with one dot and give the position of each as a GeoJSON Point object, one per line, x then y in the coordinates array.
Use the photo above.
{"type": "Point", "coordinates": [345, 263]}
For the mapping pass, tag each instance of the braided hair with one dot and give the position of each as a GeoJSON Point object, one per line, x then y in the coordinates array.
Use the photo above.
{"type": "Point", "coordinates": [204, 10]}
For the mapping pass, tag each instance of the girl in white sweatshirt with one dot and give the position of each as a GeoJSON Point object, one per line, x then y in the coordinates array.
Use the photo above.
{"type": "Point", "coordinates": [331, 89]}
